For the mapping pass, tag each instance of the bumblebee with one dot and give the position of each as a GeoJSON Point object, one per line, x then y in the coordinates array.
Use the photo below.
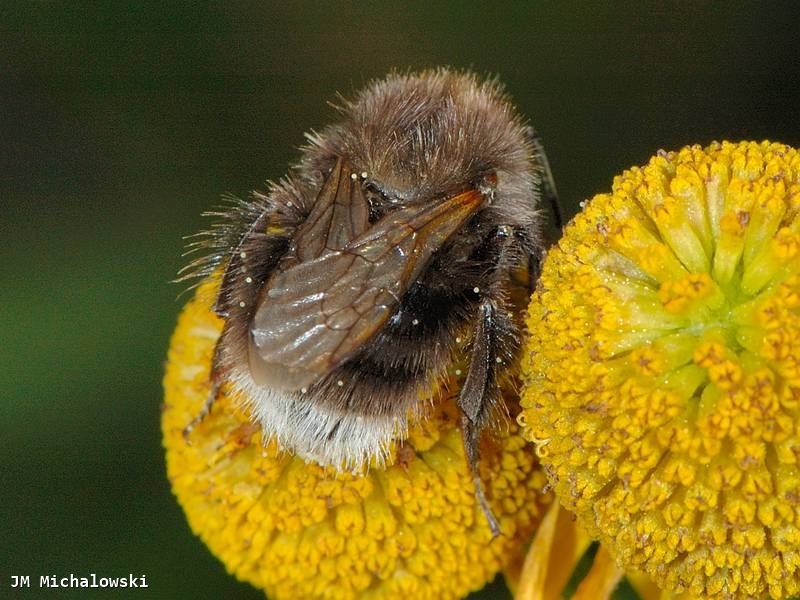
{"type": "Point", "coordinates": [389, 254]}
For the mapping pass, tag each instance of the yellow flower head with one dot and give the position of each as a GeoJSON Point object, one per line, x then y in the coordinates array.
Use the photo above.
{"type": "Point", "coordinates": [663, 369]}
{"type": "Point", "coordinates": [411, 529]}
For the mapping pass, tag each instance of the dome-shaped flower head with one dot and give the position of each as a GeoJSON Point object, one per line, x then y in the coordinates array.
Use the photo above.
{"type": "Point", "coordinates": [407, 529]}
{"type": "Point", "coordinates": [663, 369]}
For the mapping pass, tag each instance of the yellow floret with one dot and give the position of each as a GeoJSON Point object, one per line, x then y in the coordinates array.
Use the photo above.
{"type": "Point", "coordinates": [663, 369]}
{"type": "Point", "coordinates": [296, 530]}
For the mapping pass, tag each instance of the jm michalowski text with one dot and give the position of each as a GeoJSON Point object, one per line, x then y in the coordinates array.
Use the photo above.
{"type": "Point", "coordinates": [91, 580]}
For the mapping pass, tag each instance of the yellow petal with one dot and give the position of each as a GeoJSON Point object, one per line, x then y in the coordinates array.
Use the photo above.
{"type": "Point", "coordinates": [645, 587]}
{"type": "Point", "coordinates": [558, 546]}
{"type": "Point", "coordinates": [601, 580]}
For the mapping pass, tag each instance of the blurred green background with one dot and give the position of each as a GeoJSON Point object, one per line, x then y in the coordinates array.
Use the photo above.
{"type": "Point", "coordinates": [120, 123]}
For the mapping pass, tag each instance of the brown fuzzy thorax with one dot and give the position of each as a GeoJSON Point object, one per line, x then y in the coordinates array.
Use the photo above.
{"type": "Point", "coordinates": [426, 135]}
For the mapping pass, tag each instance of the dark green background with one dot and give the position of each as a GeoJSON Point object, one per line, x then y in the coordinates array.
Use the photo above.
{"type": "Point", "coordinates": [120, 123]}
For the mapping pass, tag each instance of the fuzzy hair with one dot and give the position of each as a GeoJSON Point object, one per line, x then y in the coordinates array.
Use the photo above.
{"type": "Point", "coordinates": [419, 138]}
{"type": "Point", "coordinates": [317, 432]}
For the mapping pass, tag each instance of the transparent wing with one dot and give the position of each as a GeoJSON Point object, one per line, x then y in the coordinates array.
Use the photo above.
{"type": "Point", "coordinates": [343, 280]}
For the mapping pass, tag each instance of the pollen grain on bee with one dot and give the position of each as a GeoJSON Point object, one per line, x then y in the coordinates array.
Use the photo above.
{"type": "Point", "coordinates": [458, 371]}
{"type": "Point", "coordinates": [353, 176]}
{"type": "Point", "coordinates": [242, 305]}
{"type": "Point", "coordinates": [248, 279]}
{"type": "Point", "coordinates": [340, 383]}
{"type": "Point", "coordinates": [476, 289]}
{"type": "Point", "coordinates": [243, 254]}
{"type": "Point", "coordinates": [415, 322]}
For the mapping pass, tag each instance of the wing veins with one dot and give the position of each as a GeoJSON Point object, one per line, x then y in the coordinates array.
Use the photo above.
{"type": "Point", "coordinates": [360, 273]}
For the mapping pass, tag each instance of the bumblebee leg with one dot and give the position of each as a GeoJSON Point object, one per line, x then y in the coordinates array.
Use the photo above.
{"type": "Point", "coordinates": [546, 181]}
{"type": "Point", "coordinates": [470, 435]}
{"type": "Point", "coordinates": [475, 399]}
{"type": "Point", "coordinates": [549, 193]}
{"type": "Point", "coordinates": [215, 380]}
{"type": "Point", "coordinates": [534, 270]}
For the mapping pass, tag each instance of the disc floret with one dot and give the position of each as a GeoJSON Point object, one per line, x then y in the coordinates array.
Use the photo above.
{"type": "Point", "coordinates": [409, 527]}
{"type": "Point", "coordinates": [663, 373]}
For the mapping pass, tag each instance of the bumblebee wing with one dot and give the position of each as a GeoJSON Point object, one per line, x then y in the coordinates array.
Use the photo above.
{"type": "Point", "coordinates": [317, 312]}
{"type": "Point", "coordinates": [340, 214]}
